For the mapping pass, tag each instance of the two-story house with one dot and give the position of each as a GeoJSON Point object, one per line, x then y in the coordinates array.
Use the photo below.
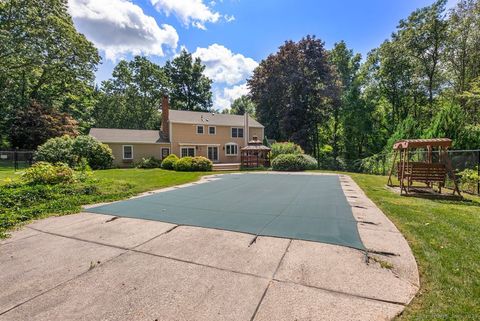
{"type": "Point", "coordinates": [219, 137]}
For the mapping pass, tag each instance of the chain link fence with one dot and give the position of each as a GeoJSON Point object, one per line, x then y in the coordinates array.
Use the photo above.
{"type": "Point", "coordinates": [465, 163]}
{"type": "Point", "coordinates": [16, 159]}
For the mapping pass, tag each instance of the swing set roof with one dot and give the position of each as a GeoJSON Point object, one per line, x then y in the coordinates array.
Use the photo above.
{"type": "Point", "coordinates": [422, 143]}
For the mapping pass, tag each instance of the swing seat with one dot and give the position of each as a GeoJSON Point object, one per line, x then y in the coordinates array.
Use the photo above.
{"type": "Point", "coordinates": [423, 173]}
{"type": "Point", "coordinates": [426, 173]}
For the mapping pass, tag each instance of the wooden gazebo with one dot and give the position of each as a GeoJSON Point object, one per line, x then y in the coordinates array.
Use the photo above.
{"type": "Point", "coordinates": [428, 171]}
{"type": "Point", "coordinates": [255, 154]}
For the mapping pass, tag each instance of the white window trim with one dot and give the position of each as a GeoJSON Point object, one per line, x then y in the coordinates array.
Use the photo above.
{"type": "Point", "coordinates": [231, 144]}
{"type": "Point", "coordinates": [187, 147]}
{"type": "Point", "coordinates": [218, 153]}
{"type": "Point", "coordinates": [231, 132]}
{"type": "Point", "coordinates": [215, 131]}
{"type": "Point", "coordinates": [123, 152]}
{"type": "Point", "coordinates": [203, 129]}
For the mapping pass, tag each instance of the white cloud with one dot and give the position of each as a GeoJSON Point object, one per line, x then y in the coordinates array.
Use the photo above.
{"type": "Point", "coordinates": [189, 12]}
{"type": "Point", "coordinates": [120, 27]}
{"type": "Point", "coordinates": [223, 98]}
{"type": "Point", "coordinates": [223, 66]}
{"type": "Point", "coordinates": [229, 72]}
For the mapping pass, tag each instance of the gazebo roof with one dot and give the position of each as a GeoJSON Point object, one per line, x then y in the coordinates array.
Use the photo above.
{"type": "Point", "coordinates": [256, 148]}
{"type": "Point", "coordinates": [255, 145]}
{"type": "Point", "coordinates": [422, 143]}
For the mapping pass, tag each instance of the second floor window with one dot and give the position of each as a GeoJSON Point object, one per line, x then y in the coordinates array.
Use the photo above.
{"type": "Point", "coordinates": [199, 129]}
{"type": "Point", "coordinates": [212, 130]}
{"type": "Point", "coordinates": [237, 132]}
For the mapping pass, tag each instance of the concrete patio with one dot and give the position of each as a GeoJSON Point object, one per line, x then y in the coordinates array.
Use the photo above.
{"type": "Point", "coordinates": [99, 267]}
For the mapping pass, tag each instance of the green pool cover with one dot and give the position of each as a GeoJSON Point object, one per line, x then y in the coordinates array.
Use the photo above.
{"type": "Point", "coordinates": [306, 207]}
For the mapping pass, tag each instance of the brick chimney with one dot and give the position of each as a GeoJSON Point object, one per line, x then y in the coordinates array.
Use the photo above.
{"type": "Point", "coordinates": [165, 112]}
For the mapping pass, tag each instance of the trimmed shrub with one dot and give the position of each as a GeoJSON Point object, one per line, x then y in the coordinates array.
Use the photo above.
{"type": "Point", "coordinates": [201, 164]}
{"type": "Point", "coordinates": [284, 148]}
{"type": "Point", "coordinates": [98, 155]}
{"type": "Point", "coordinates": [46, 173]}
{"type": "Point", "coordinates": [309, 161]}
{"type": "Point", "coordinates": [149, 162]}
{"type": "Point", "coordinates": [293, 162]}
{"type": "Point", "coordinates": [71, 151]}
{"type": "Point", "coordinates": [193, 164]}
{"type": "Point", "coordinates": [57, 150]}
{"type": "Point", "coordinates": [184, 164]}
{"type": "Point", "coordinates": [169, 161]}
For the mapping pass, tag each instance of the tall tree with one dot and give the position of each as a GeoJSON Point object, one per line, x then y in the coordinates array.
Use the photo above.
{"type": "Point", "coordinates": [132, 98]}
{"type": "Point", "coordinates": [190, 89]}
{"type": "Point", "coordinates": [423, 33]}
{"type": "Point", "coordinates": [43, 58]}
{"type": "Point", "coordinates": [242, 105]}
{"type": "Point", "coordinates": [295, 90]}
{"type": "Point", "coordinates": [347, 65]}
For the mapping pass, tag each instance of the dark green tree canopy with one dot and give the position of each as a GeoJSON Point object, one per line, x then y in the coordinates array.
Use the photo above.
{"type": "Point", "coordinates": [190, 89]}
{"type": "Point", "coordinates": [295, 90]}
{"type": "Point", "coordinates": [242, 105]}
{"type": "Point", "coordinates": [43, 58]}
{"type": "Point", "coordinates": [132, 98]}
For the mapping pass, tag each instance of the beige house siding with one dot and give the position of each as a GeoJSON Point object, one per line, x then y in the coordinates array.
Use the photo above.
{"type": "Point", "coordinates": [185, 135]}
{"type": "Point", "coordinates": [148, 143]}
{"type": "Point", "coordinates": [139, 151]}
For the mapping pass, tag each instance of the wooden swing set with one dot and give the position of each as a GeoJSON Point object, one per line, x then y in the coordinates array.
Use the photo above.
{"type": "Point", "coordinates": [428, 171]}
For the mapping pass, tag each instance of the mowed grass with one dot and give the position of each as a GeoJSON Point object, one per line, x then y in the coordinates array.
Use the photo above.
{"type": "Point", "coordinates": [142, 180]}
{"type": "Point", "coordinates": [7, 172]}
{"type": "Point", "coordinates": [19, 205]}
{"type": "Point", "coordinates": [445, 239]}
{"type": "Point", "coordinates": [444, 235]}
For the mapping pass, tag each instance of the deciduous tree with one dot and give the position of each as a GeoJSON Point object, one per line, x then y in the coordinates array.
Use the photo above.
{"type": "Point", "coordinates": [35, 124]}
{"type": "Point", "coordinates": [190, 89]}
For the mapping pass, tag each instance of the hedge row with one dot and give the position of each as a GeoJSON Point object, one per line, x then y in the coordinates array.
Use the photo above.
{"type": "Point", "coordinates": [294, 162]}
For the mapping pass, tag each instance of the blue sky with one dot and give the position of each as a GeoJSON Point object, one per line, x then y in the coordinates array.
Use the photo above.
{"type": "Point", "coordinates": [231, 36]}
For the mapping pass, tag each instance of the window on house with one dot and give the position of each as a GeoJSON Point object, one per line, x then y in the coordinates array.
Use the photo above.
{"type": "Point", "coordinates": [187, 151]}
{"type": "Point", "coordinates": [231, 149]}
{"type": "Point", "coordinates": [212, 130]}
{"type": "Point", "coordinates": [237, 132]}
{"type": "Point", "coordinates": [199, 129]}
{"type": "Point", "coordinates": [127, 152]}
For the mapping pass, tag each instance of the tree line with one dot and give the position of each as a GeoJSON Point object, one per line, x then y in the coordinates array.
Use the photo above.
{"type": "Point", "coordinates": [423, 81]}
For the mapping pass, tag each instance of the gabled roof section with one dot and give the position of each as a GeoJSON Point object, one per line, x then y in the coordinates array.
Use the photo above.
{"type": "Point", "coordinates": [139, 136]}
{"type": "Point", "coordinates": [213, 119]}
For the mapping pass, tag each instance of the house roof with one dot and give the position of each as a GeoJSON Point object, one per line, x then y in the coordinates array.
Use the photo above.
{"type": "Point", "coordinates": [113, 135]}
{"type": "Point", "coordinates": [214, 119]}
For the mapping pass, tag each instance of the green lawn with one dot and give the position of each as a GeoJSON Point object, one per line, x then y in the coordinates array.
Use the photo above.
{"type": "Point", "coordinates": [445, 239]}
{"type": "Point", "coordinates": [6, 172]}
{"type": "Point", "coordinates": [21, 204]}
{"type": "Point", "coordinates": [444, 235]}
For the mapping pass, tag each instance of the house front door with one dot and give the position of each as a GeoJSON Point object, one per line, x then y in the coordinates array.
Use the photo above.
{"type": "Point", "coordinates": [213, 153]}
{"type": "Point", "coordinates": [165, 152]}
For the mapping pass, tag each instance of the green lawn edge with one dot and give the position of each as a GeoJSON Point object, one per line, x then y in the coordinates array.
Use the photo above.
{"type": "Point", "coordinates": [445, 240]}
{"type": "Point", "coordinates": [443, 235]}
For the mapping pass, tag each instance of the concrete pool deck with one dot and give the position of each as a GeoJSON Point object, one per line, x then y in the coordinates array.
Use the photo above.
{"type": "Point", "coordinates": [100, 267]}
